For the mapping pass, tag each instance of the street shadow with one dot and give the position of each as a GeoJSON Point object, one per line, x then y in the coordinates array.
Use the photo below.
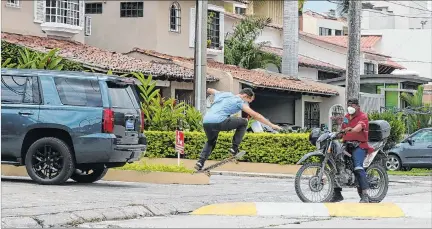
{"type": "Point", "coordinates": [105, 184]}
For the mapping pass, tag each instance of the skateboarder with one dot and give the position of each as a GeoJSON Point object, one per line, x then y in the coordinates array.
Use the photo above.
{"type": "Point", "coordinates": [218, 118]}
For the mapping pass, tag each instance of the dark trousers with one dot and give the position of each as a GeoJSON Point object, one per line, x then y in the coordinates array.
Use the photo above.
{"type": "Point", "coordinates": [358, 157]}
{"type": "Point", "coordinates": [212, 131]}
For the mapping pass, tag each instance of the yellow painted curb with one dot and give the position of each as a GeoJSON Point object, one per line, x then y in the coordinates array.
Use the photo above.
{"type": "Point", "coordinates": [387, 210]}
{"type": "Point", "coordinates": [129, 176]}
{"type": "Point", "coordinates": [227, 209]}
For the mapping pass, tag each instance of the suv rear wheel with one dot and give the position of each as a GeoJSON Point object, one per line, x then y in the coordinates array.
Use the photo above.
{"type": "Point", "coordinates": [89, 175]}
{"type": "Point", "coordinates": [49, 161]}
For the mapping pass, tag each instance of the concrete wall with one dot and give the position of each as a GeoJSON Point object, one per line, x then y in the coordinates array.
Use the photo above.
{"type": "Point", "coordinates": [21, 20]}
{"type": "Point", "coordinates": [411, 47]}
{"type": "Point", "coordinates": [324, 105]}
{"type": "Point", "coordinates": [111, 32]}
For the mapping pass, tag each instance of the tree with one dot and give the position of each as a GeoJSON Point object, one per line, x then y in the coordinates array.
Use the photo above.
{"type": "Point", "coordinates": [241, 48]}
{"type": "Point", "coordinates": [290, 38]}
{"type": "Point", "coordinates": [421, 118]}
{"type": "Point", "coordinates": [352, 83]}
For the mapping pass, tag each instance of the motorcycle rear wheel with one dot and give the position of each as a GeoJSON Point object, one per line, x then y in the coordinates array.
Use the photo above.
{"type": "Point", "coordinates": [383, 184]}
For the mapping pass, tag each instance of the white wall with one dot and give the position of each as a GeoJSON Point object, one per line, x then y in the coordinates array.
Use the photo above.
{"type": "Point", "coordinates": [308, 73]}
{"type": "Point", "coordinates": [310, 24]}
{"type": "Point", "coordinates": [274, 36]}
{"type": "Point", "coordinates": [329, 24]}
{"type": "Point", "coordinates": [320, 51]}
{"type": "Point", "coordinates": [405, 8]}
{"type": "Point", "coordinates": [407, 45]}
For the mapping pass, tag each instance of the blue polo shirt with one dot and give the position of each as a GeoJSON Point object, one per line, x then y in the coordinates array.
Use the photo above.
{"type": "Point", "coordinates": [225, 104]}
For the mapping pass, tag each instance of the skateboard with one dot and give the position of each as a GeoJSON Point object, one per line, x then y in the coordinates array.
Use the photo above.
{"type": "Point", "coordinates": [207, 169]}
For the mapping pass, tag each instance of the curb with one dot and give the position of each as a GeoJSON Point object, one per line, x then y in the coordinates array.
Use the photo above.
{"type": "Point", "coordinates": [129, 176]}
{"type": "Point", "coordinates": [379, 210]}
{"type": "Point", "coordinates": [248, 174]}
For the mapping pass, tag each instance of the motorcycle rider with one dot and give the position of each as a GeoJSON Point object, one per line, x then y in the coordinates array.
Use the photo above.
{"type": "Point", "coordinates": [356, 128]}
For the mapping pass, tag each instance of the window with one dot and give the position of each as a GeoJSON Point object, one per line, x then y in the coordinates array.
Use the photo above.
{"type": "Point", "coordinates": [93, 8]}
{"type": "Point", "coordinates": [423, 136]}
{"type": "Point", "coordinates": [13, 3]}
{"type": "Point", "coordinates": [62, 11]}
{"type": "Point", "coordinates": [131, 9]}
{"type": "Point", "coordinates": [240, 10]}
{"type": "Point", "coordinates": [338, 32]}
{"type": "Point", "coordinates": [324, 31]}
{"type": "Point", "coordinates": [213, 32]}
{"type": "Point", "coordinates": [19, 89]}
{"type": "Point", "coordinates": [122, 96]}
{"type": "Point", "coordinates": [79, 92]}
{"type": "Point", "coordinates": [327, 75]}
{"type": "Point", "coordinates": [175, 14]}
{"type": "Point", "coordinates": [369, 68]}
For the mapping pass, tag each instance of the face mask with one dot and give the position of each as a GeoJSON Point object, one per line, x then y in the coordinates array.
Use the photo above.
{"type": "Point", "coordinates": [351, 110]}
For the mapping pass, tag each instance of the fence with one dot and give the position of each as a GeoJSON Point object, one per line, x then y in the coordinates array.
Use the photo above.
{"type": "Point", "coordinates": [371, 102]}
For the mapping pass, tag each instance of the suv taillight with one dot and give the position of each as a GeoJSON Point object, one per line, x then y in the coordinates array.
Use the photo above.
{"type": "Point", "coordinates": [142, 122]}
{"type": "Point", "coordinates": [108, 121]}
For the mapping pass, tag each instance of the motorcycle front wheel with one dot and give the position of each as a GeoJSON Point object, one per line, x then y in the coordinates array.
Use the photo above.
{"type": "Point", "coordinates": [309, 188]}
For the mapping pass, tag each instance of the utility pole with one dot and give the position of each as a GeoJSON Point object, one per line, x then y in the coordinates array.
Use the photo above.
{"type": "Point", "coordinates": [200, 55]}
{"type": "Point", "coordinates": [352, 84]}
{"type": "Point", "coordinates": [290, 38]}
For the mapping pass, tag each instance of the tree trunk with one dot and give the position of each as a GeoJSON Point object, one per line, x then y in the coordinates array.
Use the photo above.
{"type": "Point", "coordinates": [290, 39]}
{"type": "Point", "coordinates": [352, 83]}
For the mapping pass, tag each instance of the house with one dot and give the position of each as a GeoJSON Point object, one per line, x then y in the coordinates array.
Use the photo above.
{"type": "Point", "coordinates": [324, 24]}
{"type": "Point", "coordinates": [328, 55]}
{"type": "Point", "coordinates": [39, 30]}
{"type": "Point", "coordinates": [170, 77]}
{"type": "Point", "coordinates": [396, 15]}
{"type": "Point", "coordinates": [165, 26]}
{"type": "Point", "coordinates": [40, 18]}
{"type": "Point", "coordinates": [293, 101]}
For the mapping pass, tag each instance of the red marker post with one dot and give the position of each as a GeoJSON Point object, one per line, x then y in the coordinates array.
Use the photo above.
{"type": "Point", "coordinates": [179, 145]}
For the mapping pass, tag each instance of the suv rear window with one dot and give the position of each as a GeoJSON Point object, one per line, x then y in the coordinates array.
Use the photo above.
{"type": "Point", "coordinates": [79, 92]}
{"type": "Point", "coordinates": [122, 96]}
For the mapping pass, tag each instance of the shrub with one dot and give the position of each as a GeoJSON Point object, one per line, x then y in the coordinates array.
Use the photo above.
{"type": "Point", "coordinates": [15, 54]}
{"type": "Point", "coordinates": [396, 123]}
{"type": "Point", "coordinates": [260, 147]}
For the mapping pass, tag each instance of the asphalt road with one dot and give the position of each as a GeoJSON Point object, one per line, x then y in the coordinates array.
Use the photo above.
{"type": "Point", "coordinates": [25, 203]}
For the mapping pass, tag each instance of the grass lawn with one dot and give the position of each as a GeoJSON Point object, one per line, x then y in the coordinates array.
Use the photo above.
{"type": "Point", "coordinates": [143, 166]}
{"type": "Point", "coordinates": [413, 172]}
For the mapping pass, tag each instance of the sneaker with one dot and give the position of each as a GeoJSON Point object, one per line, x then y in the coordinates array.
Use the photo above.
{"type": "Point", "coordinates": [198, 166]}
{"type": "Point", "coordinates": [233, 152]}
{"type": "Point", "coordinates": [364, 198]}
{"type": "Point", "coordinates": [337, 197]}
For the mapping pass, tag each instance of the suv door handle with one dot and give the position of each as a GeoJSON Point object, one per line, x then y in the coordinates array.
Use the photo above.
{"type": "Point", "coordinates": [25, 113]}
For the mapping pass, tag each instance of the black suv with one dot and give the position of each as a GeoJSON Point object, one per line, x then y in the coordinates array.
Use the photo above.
{"type": "Point", "coordinates": [63, 125]}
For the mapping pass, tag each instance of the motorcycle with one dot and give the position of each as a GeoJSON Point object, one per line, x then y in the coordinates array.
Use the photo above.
{"type": "Point", "coordinates": [335, 168]}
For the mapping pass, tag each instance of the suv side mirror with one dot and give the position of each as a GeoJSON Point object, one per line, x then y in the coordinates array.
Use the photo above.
{"type": "Point", "coordinates": [410, 141]}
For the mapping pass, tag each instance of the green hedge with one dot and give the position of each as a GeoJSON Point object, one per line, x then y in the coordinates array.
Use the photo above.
{"type": "Point", "coordinates": [260, 147]}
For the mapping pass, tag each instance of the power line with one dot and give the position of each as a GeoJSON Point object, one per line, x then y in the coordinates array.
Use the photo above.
{"type": "Point", "coordinates": [404, 61]}
{"type": "Point", "coordinates": [407, 6]}
{"type": "Point", "coordinates": [395, 15]}
{"type": "Point", "coordinates": [420, 5]}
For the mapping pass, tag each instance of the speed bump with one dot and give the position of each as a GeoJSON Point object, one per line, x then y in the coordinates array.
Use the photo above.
{"type": "Point", "coordinates": [370, 210]}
